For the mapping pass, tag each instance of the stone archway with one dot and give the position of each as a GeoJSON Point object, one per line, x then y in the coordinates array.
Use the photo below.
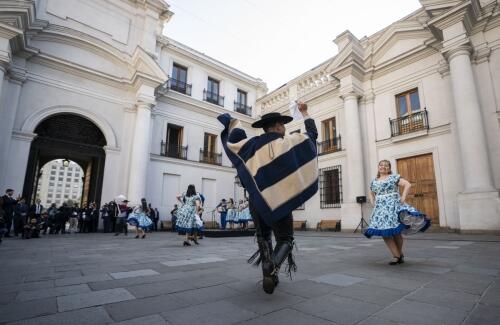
{"type": "Point", "coordinates": [68, 136]}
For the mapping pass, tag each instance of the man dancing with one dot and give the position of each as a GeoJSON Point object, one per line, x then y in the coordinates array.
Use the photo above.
{"type": "Point", "coordinates": [280, 173]}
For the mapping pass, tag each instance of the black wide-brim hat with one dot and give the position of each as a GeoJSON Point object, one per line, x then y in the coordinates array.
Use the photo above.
{"type": "Point", "coordinates": [272, 117]}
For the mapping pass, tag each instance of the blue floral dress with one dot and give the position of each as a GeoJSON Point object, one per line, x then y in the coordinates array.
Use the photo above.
{"type": "Point", "coordinates": [139, 219]}
{"type": "Point", "coordinates": [389, 216]}
{"type": "Point", "coordinates": [186, 216]}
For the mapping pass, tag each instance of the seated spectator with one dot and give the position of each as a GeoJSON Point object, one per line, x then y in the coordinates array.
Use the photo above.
{"type": "Point", "coordinates": [31, 229]}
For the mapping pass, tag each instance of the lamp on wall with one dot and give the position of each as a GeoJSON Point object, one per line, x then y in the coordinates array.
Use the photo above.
{"type": "Point", "coordinates": [65, 162]}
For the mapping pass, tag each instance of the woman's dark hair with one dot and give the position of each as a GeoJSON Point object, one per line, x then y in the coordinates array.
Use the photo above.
{"type": "Point", "coordinates": [144, 204]}
{"type": "Point", "coordinates": [231, 200]}
{"type": "Point", "coordinates": [191, 191]}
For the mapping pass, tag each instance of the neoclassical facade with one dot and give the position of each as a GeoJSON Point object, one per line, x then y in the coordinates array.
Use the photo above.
{"type": "Point", "coordinates": [424, 94]}
{"type": "Point", "coordinates": [97, 82]}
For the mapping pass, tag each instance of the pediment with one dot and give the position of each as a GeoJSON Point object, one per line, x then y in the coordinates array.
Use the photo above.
{"type": "Point", "coordinates": [398, 40]}
{"type": "Point", "coordinates": [146, 66]}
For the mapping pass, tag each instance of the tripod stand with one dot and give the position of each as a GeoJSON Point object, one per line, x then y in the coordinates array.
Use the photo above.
{"type": "Point", "coordinates": [362, 222]}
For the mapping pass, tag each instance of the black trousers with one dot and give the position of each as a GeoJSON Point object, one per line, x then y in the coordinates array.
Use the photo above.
{"type": "Point", "coordinates": [282, 229]}
{"type": "Point", "coordinates": [121, 226]}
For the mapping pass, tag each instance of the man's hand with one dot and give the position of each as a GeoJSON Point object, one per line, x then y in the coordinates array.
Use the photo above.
{"type": "Point", "coordinates": [303, 109]}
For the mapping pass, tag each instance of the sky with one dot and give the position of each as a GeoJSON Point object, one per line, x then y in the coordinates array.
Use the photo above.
{"type": "Point", "coordinates": [277, 40]}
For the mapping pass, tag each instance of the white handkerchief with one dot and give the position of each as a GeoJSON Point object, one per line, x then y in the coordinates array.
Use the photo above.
{"type": "Point", "coordinates": [294, 111]}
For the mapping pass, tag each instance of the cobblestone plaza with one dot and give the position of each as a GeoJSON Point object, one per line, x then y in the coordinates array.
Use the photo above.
{"type": "Point", "coordinates": [342, 279]}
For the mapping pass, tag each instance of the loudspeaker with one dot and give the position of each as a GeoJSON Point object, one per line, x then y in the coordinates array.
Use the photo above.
{"type": "Point", "coordinates": [361, 199]}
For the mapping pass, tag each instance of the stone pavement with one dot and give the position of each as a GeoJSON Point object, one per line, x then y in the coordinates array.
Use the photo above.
{"type": "Point", "coordinates": [342, 279]}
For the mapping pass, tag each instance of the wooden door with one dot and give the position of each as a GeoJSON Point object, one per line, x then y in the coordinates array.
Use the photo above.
{"type": "Point", "coordinates": [419, 171]}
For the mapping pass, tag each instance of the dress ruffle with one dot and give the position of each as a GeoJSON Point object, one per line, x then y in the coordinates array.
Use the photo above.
{"type": "Point", "coordinates": [139, 220]}
{"type": "Point", "coordinates": [384, 232]}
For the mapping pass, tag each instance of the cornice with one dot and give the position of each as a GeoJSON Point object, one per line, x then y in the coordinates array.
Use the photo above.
{"type": "Point", "coordinates": [202, 107]}
{"type": "Point", "coordinates": [182, 162]}
{"type": "Point", "coordinates": [209, 62]}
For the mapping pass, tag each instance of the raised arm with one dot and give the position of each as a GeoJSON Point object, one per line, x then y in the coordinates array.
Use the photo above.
{"type": "Point", "coordinates": [311, 129]}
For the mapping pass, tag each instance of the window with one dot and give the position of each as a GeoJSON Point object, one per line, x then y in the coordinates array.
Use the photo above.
{"type": "Point", "coordinates": [173, 146]}
{"type": "Point", "coordinates": [68, 179]}
{"type": "Point", "coordinates": [330, 141]}
{"type": "Point", "coordinates": [49, 195]}
{"type": "Point", "coordinates": [53, 172]}
{"type": "Point", "coordinates": [60, 179]}
{"type": "Point", "coordinates": [241, 97]}
{"type": "Point", "coordinates": [66, 196]}
{"type": "Point", "coordinates": [51, 183]}
{"type": "Point", "coordinates": [61, 172]}
{"type": "Point", "coordinates": [77, 174]}
{"type": "Point", "coordinates": [68, 185]}
{"type": "Point", "coordinates": [330, 182]}
{"type": "Point", "coordinates": [209, 142]}
{"type": "Point", "coordinates": [213, 87]}
{"type": "Point", "coordinates": [58, 196]}
{"type": "Point", "coordinates": [52, 178]}
{"type": "Point", "coordinates": [408, 103]}
{"type": "Point", "coordinates": [53, 167]}
{"type": "Point", "coordinates": [178, 82]}
{"type": "Point", "coordinates": [69, 174]}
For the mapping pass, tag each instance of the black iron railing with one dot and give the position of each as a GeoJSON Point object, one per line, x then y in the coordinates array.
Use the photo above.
{"type": "Point", "coordinates": [179, 86]}
{"type": "Point", "coordinates": [242, 108]}
{"type": "Point", "coordinates": [173, 150]}
{"type": "Point", "coordinates": [410, 123]}
{"type": "Point", "coordinates": [175, 85]}
{"type": "Point", "coordinates": [213, 98]}
{"type": "Point", "coordinates": [330, 145]}
{"type": "Point", "coordinates": [210, 157]}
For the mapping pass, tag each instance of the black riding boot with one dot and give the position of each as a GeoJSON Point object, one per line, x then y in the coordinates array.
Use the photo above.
{"type": "Point", "coordinates": [282, 251]}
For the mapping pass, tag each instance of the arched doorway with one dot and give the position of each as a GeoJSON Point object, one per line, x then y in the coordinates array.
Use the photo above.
{"type": "Point", "coordinates": [69, 137]}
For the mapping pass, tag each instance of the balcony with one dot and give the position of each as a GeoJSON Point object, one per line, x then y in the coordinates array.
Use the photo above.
{"type": "Point", "coordinates": [242, 108]}
{"type": "Point", "coordinates": [209, 157]}
{"type": "Point", "coordinates": [329, 146]}
{"type": "Point", "coordinates": [213, 98]}
{"type": "Point", "coordinates": [411, 123]}
{"type": "Point", "coordinates": [179, 86]}
{"type": "Point", "coordinates": [173, 150]}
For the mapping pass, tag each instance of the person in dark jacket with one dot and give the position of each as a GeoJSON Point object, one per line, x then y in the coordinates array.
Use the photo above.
{"type": "Point", "coordinates": [20, 216]}
{"type": "Point", "coordinates": [9, 203]}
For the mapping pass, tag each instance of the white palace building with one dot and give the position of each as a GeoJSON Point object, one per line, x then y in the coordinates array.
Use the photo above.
{"type": "Point", "coordinates": [97, 82]}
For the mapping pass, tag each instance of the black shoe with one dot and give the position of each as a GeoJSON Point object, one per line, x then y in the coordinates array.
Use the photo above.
{"type": "Point", "coordinates": [186, 243]}
{"type": "Point", "coordinates": [143, 236]}
{"type": "Point", "coordinates": [117, 234]}
{"type": "Point", "coordinates": [268, 281]}
{"type": "Point", "coordinates": [401, 259]}
{"type": "Point", "coordinates": [136, 236]}
{"type": "Point", "coordinates": [395, 261]}
{"type": "Point", "coordinates": [195, 241]}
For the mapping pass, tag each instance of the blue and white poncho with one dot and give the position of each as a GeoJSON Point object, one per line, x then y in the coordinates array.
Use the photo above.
{"type": "Point", "coordinates": [279, 173]}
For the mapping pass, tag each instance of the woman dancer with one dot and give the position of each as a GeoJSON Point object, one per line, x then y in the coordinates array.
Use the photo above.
{"type": "Point", "coordinates": [391, 215]}
{"type": "Point", "coordinates": [139, 218]}
{"type": "Point", "coordinates": [186, 215]}
{"type": "Point", "coordinates": [245, 215]}
{"type": "Point", "coordinates": [231, 213]}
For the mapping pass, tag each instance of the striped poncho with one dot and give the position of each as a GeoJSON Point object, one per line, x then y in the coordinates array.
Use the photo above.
{"type": "Point", "coordinates": [279, 173]}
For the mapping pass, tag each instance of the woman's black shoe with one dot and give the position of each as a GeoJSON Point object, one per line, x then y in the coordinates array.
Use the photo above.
{"type": "Point", "coordinates": [395, 261]}
{"type": "Point", "coordinates": [401, 259]}
{"type": "Point", "coordinates": [186, 243]}
{"type": "Point", "coordinates": [143, 236]}
{"type": "Point", "coordinates": [137, 236]}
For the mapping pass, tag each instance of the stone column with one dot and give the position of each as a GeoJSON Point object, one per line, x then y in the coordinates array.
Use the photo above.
{"type": "Point", "coordinates": [352, 142]}
{"type": "Point", "coordinates": [479, 203]}
{"type": "Point", "coordinates": [140, 153]}
{"type": "Point", "coordinates": [8, 111]}
{"type": "Point", "coordinates": [470, 130]}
